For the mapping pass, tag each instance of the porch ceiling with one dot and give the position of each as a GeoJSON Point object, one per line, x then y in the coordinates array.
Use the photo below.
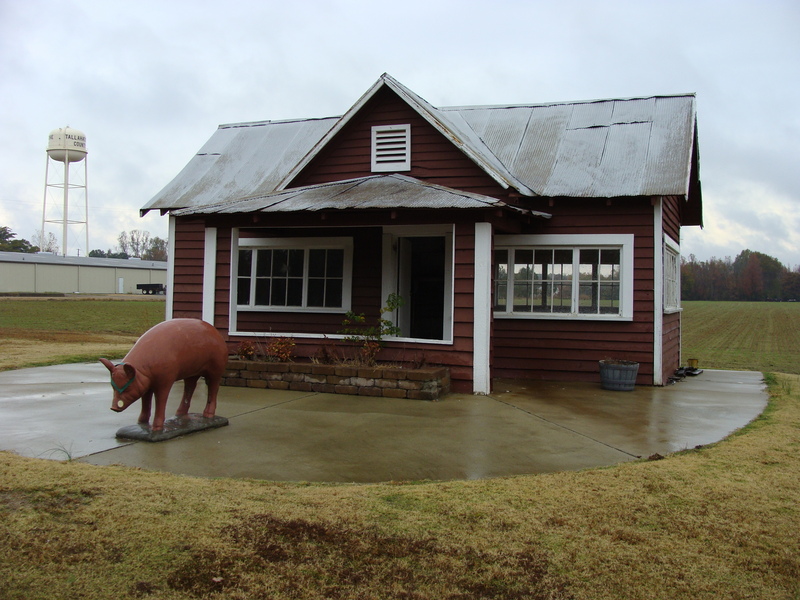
{"type": "Point", "coordinates": [377, 191]}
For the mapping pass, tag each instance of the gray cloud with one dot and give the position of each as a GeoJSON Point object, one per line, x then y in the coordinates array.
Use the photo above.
{"type": "Point", "coordinates": [148, 82]}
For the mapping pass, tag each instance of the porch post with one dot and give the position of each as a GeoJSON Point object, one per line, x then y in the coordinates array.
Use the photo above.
{"type": "Point", "coordinates": [658, 291]}
{"type": "Point", "coordinates": [170, 267]}
{"type": "Point", "coordinates": [482, 310]}
{"type": "Point", "coordinates": [209, 274]}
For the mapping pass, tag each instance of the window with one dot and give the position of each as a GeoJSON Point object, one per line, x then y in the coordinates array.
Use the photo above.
{"type": "Point", "coordinates": [391, 148]}
{"type": "Point", "coordinates": [672, 276]}
{"type": "Point", "coordinates": [591, 279]}
{"type": "Point", "coordinates": [294, 273]}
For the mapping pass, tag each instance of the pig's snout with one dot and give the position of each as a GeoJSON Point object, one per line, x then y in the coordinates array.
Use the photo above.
{"type": "Point", "coordinates": [118, 405]}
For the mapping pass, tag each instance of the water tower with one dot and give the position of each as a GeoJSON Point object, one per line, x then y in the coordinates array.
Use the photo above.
{"type": "Point", "coordinates": [67, 146]}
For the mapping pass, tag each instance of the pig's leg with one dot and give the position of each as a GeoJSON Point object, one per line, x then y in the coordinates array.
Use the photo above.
{"type": "Point", "coordinates": [188, 389]}
{"type": "Point", "coordinates": [147, 401]}
{"type": "Point", "coordinates": [162, 395]}
{"type": "Point", "coordinates": [211, 405]}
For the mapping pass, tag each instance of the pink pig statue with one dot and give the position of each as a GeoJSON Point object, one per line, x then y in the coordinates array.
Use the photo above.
{"type": "Point", "coordinates": [177, 349]}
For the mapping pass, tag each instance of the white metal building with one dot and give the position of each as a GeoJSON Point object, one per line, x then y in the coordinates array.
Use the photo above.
{"type": "Point", "coordinates": [41, 273]}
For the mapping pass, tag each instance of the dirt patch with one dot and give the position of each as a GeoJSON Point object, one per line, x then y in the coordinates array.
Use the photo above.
{"type": "Point", "coordinates": [305, 559]}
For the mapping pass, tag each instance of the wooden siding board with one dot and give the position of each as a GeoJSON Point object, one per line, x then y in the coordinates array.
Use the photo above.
{"type": "Point", "coordinates": [571, 348]}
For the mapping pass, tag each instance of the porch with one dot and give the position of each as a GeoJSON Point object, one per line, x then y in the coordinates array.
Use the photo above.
{"type": "Point", "coordinates": [523, 427]}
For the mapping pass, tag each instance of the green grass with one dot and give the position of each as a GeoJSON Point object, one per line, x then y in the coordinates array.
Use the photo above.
{"type": "Point", "coordinates": [750, 336]}
{"type": "Point", "coordinates": [132, 317]}
{"type": "Point", "coordinates": [46, 331]}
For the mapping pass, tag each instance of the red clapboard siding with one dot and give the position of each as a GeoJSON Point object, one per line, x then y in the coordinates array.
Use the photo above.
{"type": "Point", "coordinates": [187, 286]}
{"type": "Point", "coordinates": [571, 349]}
{"type": "Point", "coordinates": [433, 157]}
{"type": "Point", "coordinates": [672, 216]}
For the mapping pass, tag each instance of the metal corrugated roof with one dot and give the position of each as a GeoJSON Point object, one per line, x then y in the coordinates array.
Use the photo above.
{"type": "Point", "coordinates": [241, 160]}
{"type": "Point", "coordinates": [599, 148]}
{"type": "Point", "coordinates": [596, 149]}
{"type": "Point", "coordinates": [376, 191]}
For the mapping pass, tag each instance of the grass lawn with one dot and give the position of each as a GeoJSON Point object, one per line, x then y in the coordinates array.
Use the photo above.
{"type": "Point", "coordinates": [717, 522]}
{"type": "Point", "coordinates": [47, 331]}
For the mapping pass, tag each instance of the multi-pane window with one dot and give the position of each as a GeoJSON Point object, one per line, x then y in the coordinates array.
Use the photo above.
{"type": "Point", "coordinates": [672, 282]}
{"type": "Point", "coordinates": [292, 277]}
{"type": "Point", "coordinates": [580, 281]}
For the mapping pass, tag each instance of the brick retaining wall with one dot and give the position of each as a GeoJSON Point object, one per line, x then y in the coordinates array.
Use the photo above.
{"type": "Point", "coordinates": [428, 383]}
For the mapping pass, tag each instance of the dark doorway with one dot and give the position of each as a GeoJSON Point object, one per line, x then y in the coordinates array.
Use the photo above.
{"type": "Point", "coordinates": [422, 273]}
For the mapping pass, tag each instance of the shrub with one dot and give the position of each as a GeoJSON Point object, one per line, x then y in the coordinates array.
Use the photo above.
{"type": "Point", "coordinates": [369, 338]}
{"type": "Point", "coordinates": [280, 349]}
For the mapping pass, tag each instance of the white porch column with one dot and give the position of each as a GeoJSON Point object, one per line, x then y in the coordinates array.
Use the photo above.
{"type": "Point", "coordinates": [209, 273]}
{"type": "Point", "coordinates": [658, 291]}
{"type": "Point", "coordinates": [481, 336]}
{"type": "Point", "coordinates": [170, 267]}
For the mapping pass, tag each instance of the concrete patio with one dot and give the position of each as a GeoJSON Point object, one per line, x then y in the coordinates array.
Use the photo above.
{"type": "Point", "coordinates": [526, 427]}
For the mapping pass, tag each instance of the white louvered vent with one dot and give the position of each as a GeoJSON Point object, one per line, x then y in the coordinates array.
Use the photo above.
{"type": "Point", "coordinates": [391, 148]}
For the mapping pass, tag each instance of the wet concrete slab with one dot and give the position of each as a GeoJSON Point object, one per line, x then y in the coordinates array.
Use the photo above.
{"type": "Point", "coordinates": [523, 427]}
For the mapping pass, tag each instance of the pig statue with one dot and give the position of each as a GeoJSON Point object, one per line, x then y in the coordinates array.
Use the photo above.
{"type": "Point", "coordinates": [177, 349]}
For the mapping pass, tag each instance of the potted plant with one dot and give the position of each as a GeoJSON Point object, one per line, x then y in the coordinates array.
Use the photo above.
{"type": "Point", "coordinates": [618, 375]}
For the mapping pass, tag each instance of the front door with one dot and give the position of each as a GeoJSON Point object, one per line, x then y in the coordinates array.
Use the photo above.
{"type": "Point", "coordinates": [421, 283]}
{"type": "Point", "coordinates": [418, 265]}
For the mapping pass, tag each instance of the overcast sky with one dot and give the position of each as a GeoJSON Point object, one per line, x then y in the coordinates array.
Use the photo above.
{"type": "Point", "coordinates": [148, 82]}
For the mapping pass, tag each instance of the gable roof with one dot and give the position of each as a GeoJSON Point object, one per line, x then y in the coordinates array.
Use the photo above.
{"type": "Point", "coordinates": [376, 191]}
{"type": "Point", "coordinates": [600, 148]}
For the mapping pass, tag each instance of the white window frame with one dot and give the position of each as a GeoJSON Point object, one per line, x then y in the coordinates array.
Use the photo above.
{"type": "Point", "coordinates": [622, 242]}
{"type": "Point", "coordinates": [306, 243]}
{"type": "Point", "coordinates": [391, 148]}
{"type": "Point", "coordinates": [672, 276]}
{"type": "Point", "coordinates": [390, 270]}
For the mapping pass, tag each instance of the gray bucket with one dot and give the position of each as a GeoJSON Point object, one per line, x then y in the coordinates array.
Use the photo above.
{"type": "Point", "coordinates": [618, 375]}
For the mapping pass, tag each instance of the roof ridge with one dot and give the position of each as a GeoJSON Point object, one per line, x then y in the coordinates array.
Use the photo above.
{"type": "Point", "coordinates": [562, 103]}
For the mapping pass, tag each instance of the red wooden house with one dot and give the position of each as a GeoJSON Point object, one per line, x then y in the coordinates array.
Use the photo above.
{"type": "Point", "coordinates": [528, 241]}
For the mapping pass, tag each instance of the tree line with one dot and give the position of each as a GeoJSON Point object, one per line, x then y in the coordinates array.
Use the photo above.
{"type": "Point", "coordinates": [131, 244]}
{"type": "Point", "coordinates": [751, 276]}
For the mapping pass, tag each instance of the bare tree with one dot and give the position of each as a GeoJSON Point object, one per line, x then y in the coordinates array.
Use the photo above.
{"type": "Point", "coordinates": [46, 243]}
{"type": "Point", "coordinates": [122, 242]}
{"type": "Point", "coordinates": [139, 241]}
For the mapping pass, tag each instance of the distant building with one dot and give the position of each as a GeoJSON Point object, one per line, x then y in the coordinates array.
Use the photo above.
{"type": "Point", "coordinates": [41, 273]}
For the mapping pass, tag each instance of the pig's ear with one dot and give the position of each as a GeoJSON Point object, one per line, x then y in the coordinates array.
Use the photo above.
{"type": "Point", "coordinates": [109, 365]}
{"type": "Point", "coordinates": [129, 370]}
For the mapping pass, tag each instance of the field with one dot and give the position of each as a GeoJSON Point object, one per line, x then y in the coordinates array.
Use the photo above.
{"type": "Point", "coordinates": [45, 331]}
{"type": "Point", "coordinates": [747, 336]}
{"type": "Point", "coordinates": [718, 522]}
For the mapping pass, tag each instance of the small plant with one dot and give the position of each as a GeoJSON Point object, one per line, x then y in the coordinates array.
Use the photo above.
{"type": "Point", "coordinates": [246, 350]}
{"type": "Point", "coordinates": [280, 349]}
{"type": "Point", "coordinates": [327, 354]}
{"type": "Point", "coordinates": [369, 338]}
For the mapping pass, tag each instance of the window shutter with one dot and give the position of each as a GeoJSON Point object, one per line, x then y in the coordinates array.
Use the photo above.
{"type": "Point", "coordinates": [391, 148]}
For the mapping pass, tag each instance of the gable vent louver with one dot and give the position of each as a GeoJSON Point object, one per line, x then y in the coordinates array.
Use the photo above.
{"type": "Point", "coordinates": [391, 148]}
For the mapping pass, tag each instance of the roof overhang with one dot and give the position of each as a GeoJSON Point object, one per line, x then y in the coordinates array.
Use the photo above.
{"type": "Point", "coordinates": [374, 192]}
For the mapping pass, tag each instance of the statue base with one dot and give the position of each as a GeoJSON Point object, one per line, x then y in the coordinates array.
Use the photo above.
{"type": "Point", "coordinates": [173, 427]}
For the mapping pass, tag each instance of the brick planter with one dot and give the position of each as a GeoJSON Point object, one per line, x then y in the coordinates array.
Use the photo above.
{"type": "Point", "coordinates": [429, 383]}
